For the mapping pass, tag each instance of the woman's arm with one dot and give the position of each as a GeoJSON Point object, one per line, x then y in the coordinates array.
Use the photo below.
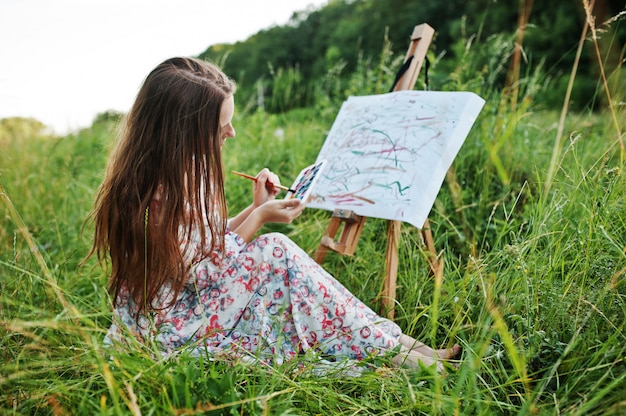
{"type": "Point", "coordinates": [235, 222]}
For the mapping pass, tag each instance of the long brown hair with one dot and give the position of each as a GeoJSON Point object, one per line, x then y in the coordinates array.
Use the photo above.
{"type": "Point", "coordinates": [170, 146]}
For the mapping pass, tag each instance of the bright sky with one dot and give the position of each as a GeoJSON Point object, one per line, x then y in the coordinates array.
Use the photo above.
{"type": "Point", "coordinates": [64, 61]}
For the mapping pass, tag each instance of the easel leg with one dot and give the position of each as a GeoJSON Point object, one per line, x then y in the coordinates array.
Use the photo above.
{"type": "Point", "coordinates": [391, 266]}
{"type": "Point", "coordinates": [433, 261]}
{"type": "Point", "coordinates": [322, 249]}
{"type": "Point", "coordinates": [346, 244]}
{"type": "Point", "coordinates": [420, 40]}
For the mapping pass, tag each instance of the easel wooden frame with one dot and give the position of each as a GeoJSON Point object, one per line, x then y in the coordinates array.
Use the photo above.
{"type": "Point", "coordinates": [353, 224]}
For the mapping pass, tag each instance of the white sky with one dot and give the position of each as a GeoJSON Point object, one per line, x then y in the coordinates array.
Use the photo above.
{"type": "Point", "coordinates": [64, 61]}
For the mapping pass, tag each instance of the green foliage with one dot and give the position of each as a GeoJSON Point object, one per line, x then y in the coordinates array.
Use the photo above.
{"type": "Point", "coordinates": [15, 130]}
{"type": "Point", "coordinates": [346, 34]}
{"type": "Point", "coordinates": [534, 284]}
{"type": "Point", "coordinates": [533, 287]}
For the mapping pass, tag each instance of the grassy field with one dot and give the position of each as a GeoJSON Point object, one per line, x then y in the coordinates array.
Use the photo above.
{"type": "Point", "coordinates": [532, 231]}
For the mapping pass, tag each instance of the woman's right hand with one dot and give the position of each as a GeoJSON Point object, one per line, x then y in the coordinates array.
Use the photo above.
{"type": "Point", "coordinates": [263, 188]}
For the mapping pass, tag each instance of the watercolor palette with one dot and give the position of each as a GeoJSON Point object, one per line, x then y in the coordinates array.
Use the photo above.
{"type": "Point", "coordinates": [305, 182]}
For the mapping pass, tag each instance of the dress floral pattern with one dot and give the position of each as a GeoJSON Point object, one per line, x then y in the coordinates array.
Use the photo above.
{"type": "Point", "coordinates": [268, 300]}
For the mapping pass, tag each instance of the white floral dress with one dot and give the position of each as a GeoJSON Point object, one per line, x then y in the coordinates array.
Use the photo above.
{"type": "Point", "coordinates": [268, 300]}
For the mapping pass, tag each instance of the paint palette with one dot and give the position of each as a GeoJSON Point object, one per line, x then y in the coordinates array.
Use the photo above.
{"type": "Point", "coordinates": [306, 180]}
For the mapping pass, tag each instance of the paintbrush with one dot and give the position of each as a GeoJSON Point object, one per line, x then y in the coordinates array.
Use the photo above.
{"type": "Point", "coordinates": [269, 184]}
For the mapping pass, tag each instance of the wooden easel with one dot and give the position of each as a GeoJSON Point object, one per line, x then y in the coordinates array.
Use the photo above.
{"type": "Point", "coordinates": [353, 224]}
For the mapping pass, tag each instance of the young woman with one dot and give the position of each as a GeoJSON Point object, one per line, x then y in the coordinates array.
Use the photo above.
{"type": "Point", "coordinates": [184, 275]}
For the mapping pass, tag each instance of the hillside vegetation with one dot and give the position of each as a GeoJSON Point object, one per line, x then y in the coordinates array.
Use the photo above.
{"type": "Point", "coordinates": [289, 65]}
{"type": "Point", "coordinates": [530, 225]}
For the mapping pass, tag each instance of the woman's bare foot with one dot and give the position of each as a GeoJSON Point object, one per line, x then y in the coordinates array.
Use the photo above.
{"type": "Point", "coordinates": [413, 359]}
{"type": "Point", "coordinates": [449, 353]}
{"type": "Point", "coordinates": [442, 354]}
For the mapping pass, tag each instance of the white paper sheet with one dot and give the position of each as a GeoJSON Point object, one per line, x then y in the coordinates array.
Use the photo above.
{"type": "Point", "coordinates": [387, 155]}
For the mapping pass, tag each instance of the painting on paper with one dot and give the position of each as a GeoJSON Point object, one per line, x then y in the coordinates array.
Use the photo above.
{"type": "Point", "coordinates": [387, 155]}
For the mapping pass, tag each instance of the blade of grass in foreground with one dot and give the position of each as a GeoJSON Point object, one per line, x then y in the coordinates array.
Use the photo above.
{"type": "Point", "coordinates": [23, 230]}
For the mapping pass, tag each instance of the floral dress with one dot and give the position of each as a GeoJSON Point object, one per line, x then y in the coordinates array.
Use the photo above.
{"type": "Point", "coordinates": [268, 300]}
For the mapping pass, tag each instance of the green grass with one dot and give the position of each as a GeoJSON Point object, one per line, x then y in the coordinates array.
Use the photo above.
{"type": "Point", "coordinates": [533, 287]}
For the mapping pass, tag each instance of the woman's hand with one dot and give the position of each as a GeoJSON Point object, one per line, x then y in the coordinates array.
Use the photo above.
{"type": "Point", "coordinates": [275, 210]}
{"type": "Point", "coordinates": [265, 188]}
{"type": "Point", "coordinates": [280, 211]}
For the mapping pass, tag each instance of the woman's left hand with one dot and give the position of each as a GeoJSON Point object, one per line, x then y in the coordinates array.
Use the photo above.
{"type": "Point", "coordinates": [265, 187]}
